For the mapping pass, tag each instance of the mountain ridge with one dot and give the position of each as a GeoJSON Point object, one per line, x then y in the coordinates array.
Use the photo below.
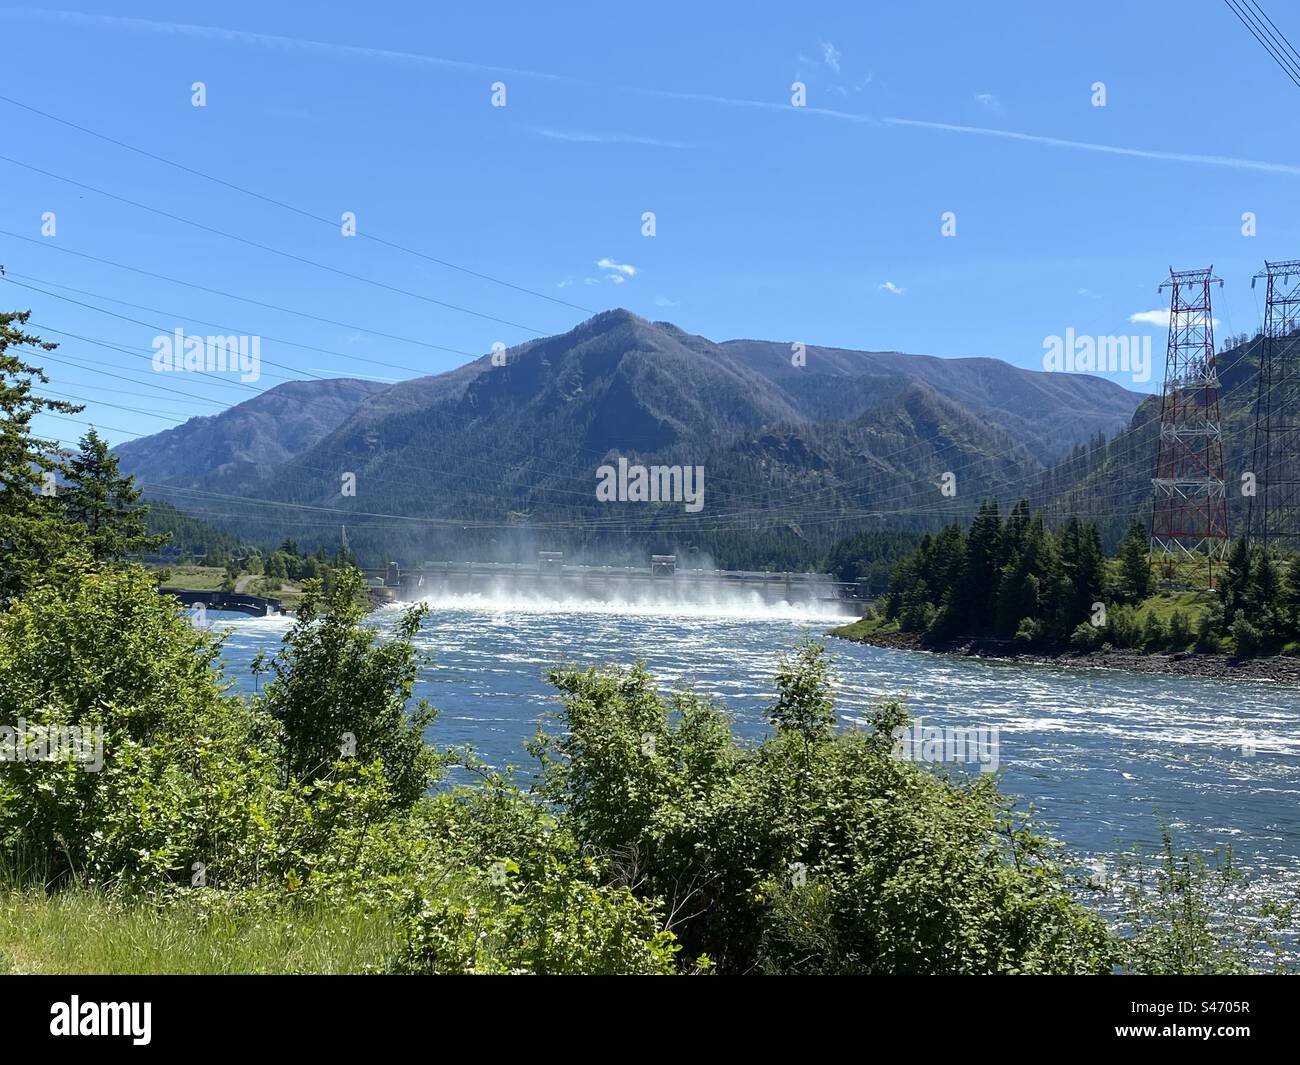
{"type": "Point", "coordinates": [517, 444]}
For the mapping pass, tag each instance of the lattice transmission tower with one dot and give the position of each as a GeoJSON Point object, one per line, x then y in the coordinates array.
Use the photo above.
{"type": "Point", "coordinates": [1189, 513]}
{"type": "Point", "coordinates": [1273, 512]}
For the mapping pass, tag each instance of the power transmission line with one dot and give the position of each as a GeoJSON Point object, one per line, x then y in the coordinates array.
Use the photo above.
{"type": "Point", "coordinates": [332, 223]}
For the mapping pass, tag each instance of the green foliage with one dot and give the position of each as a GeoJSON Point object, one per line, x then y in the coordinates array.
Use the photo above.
{"type": "Point", "coordinates": [1154, 633]}
{"type": "Point", "coordinates": [192, 786]}
{"type": "Point", "coordinates": [339, 692]}
{"type": "Point", "coordinates": [1207, 631]}
{"type": "Point", "coordinates": [1135, 564]}
{"type": "Point", "coordinates": [1020, 583]}
{"type": "Point", "coordinates": [1184, 915]}
{"type": "Point", "coordinates": [804, 707]}
{"type": "Point", "coordinates": [1180, 631]}
{"type": "Point", "coordinates": [1013, 580]}
{"type": "Point", "coordinates": [546, 911]}
{"type": "Point", "coordinates": [1246, 638]}
{"type": "Point", "coordinates": [100, 649]}
{"type": "Point", "coordinates": [869, 557]}
{"type": "Point", "coordinates": [106, 504]}
{"type": "Point", "coordinates": [812, 852]}
{"type": "Point", "coordinates": [34, 533]}
{"type": "Point", "coordinates": [1122, 627]}
{"type": "Point", "coordinates": [654, 841]}
{"type": "Point", "coordinates": [1258, 600]}
{"type": "Point", "coordinates": [1087, 637]}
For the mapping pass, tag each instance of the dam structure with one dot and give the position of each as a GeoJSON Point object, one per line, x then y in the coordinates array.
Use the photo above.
{"type": "Point", "coordinates": [662, 582]}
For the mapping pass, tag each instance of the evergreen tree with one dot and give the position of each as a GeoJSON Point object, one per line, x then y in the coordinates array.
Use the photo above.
{"type": "Point", "coordinates": [945, 571]}
{"type": "Point", "coordinates": [1084, 564]}
{"type": "Point", "coordinates": [1291, 597]}
{"type": "Point", "coordinates": [107, 504]}
{"type": "Point", "coordinates": [1236, 587]}
{"type": "Point", "coordinates": [1268, 612]}
{"type": "Point", "coordinates": [1017, 595]}
{"type": "Point", "coordinates": [1015, 531]}
{"type": "Point", "coordinates": [1135, 564]}
{"type": "Point", "coordinates": [978, 594]}
{"type": "Point", "coordinates": [1056, 591]}
{"type": "Point", "coordinates": [33, 531]}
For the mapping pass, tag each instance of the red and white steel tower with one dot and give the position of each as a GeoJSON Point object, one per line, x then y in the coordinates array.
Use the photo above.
{"type": "Point", "coordinates": [1189, 513]}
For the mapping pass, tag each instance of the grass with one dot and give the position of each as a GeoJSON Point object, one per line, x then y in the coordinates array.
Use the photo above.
{"type": "Point", "coordinates": [289, 592]}
{"type": "Point", "coordinates": [865, 627]}
{"type": "Point", "coordinates": [196, 578]}
{"type": "Point", "coordinates": [213, 578]}
{"type": "Point", "coordinates": [1165, 604]}
{"type": "Point", "coordinates": [84, 932]}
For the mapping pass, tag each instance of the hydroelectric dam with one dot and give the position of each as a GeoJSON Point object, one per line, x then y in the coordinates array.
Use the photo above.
{"type": "Point", "coordinates": [662, 583]}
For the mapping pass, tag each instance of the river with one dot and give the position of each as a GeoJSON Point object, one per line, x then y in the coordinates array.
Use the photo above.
{"type": "Point", "coordinates": [1105, 757]}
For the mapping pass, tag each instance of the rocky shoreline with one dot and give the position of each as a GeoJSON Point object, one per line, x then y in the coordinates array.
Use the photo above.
{"type": "Point", "coordinates": [1280, 669]}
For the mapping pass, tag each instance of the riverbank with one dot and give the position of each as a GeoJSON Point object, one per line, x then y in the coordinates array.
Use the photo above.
{"type": "Point", "coordinates": [1281, 669]}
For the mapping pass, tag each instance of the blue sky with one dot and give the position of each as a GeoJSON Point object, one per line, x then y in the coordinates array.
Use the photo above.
{"type": "Point", "coordinates": [818, 224]}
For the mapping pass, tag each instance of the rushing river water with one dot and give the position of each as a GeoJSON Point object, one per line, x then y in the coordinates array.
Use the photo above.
{"type": "Point", "coordinates": [1105, 757]}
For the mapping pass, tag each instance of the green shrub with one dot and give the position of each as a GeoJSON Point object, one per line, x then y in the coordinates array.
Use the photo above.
{"type": "Point", "coordinates": [1087, 637]}
{"type": "Point", "coordinates": [1246, 638]}
{"type": "Point", "coordinates": [1122, 628]}
{"type": "Point", "coordinates": [1154, 633]}
{"type": "Point", "coordinates": [559, 921]}
{"type": "Point", "coordinates": [182, 760]}
{"type": "Point", "coordinates": [1180, 631]}
{"type": "Point", "coordinates": [338, 692]}
{"type": "Point", "coordinates": [815, 851]}
{"type": "Point", "coordinates": [1189, 915]}
{"type": "Point", "coordinates": [1028, 633]}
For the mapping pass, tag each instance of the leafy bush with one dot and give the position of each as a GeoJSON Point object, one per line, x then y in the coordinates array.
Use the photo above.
{"type": "Point", "coordinates": [1188, 916]}
{"type": "Point", "coordinates": [1122, 628]}
{"type": "Point", "coordinates": [1180, 631]}
{"type": "Point", "coordinates": [1028, 633]}
{"type": "Point", "coordinates": [555, 919]}
{"type": "Point", "coordinates": [1154, 633]}
{"type": "Point", "coordinates": [1087, 637]}
{"type": "Point", "coordinates": [338, 692]}
{"type": "Point", "coordinates": [1246, 638]}
{"type": "Point", "coordinates": [1207, 630]}
{"type": "Point", "coordinates": [814, 851]}
{"type": "Point", "coordinates": [100, 649]}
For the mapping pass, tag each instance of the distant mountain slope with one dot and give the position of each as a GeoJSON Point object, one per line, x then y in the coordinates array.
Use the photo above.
{"type": "Point", "coordinates": [240, 446]}
{"type": "Point", "coordinates": [798, 453]}
{"type": "Point", "coordinates": [1047, 412]}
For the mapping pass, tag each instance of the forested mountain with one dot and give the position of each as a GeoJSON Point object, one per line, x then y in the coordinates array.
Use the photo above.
{"type": "Point", "coordinates": [799, 447]}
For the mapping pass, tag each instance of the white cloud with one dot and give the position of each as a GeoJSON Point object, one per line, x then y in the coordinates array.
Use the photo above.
{"type": "Point", "coordinates": [1110, 149]}
{"type": "Point", "coordinates": [830, 56]}
{"type": "Point", "coordinates": [618, 272]}
{"type": "Point", "coordinates": [1158, 317]}
{"type": "Point", "coordinates": [988, 100]}
{"type": "Point", "coordinates": [574, 136]}
{"type": "Point", "coordinates": [565, 283]}
{"type": "Point", "coordinates": [889, 286]}
{"type": "Point", "coordinates": [664, 301]}
{"type": "Point", "coordinates": [354, 52]}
